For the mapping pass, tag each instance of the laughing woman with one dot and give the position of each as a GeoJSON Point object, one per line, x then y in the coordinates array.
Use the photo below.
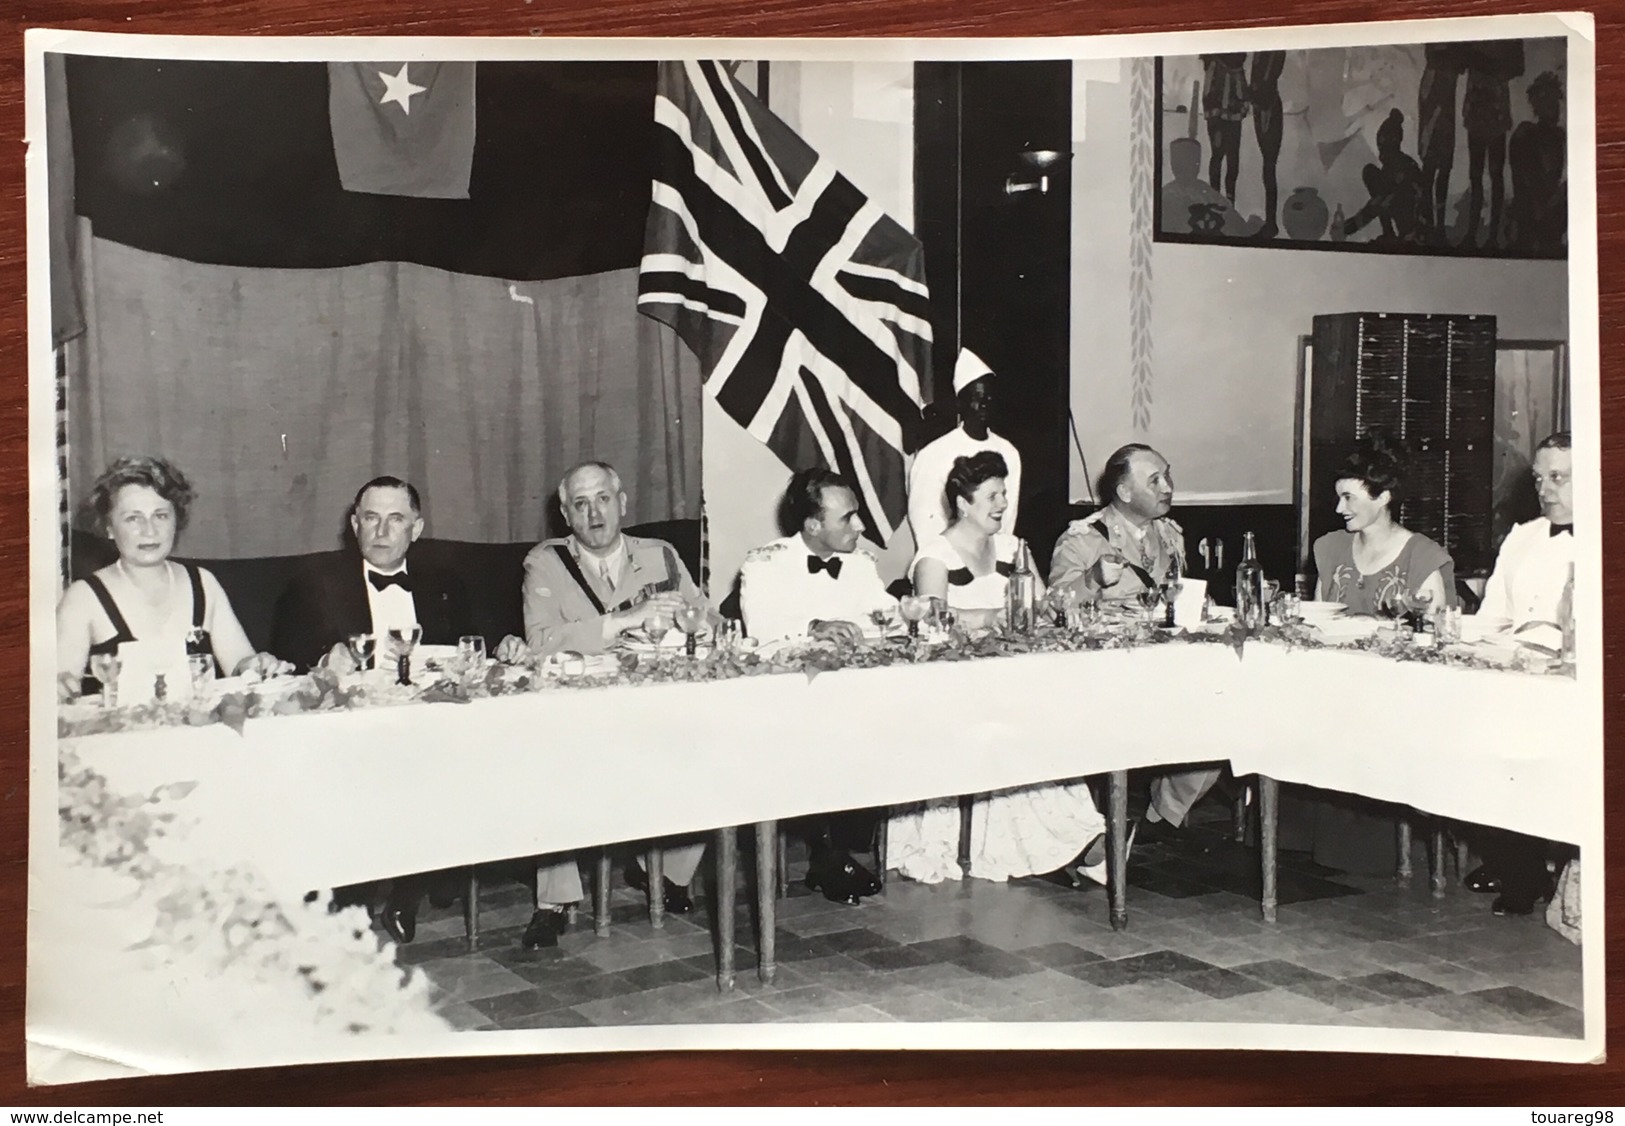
{"type": "Point", "coordinates": [143, 604]}
{"type": "Point", "coordinates": [1030, 830]}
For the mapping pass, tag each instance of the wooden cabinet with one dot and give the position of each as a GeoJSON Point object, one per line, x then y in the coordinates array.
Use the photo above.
{"type": "Point", "coordinates": [1428, 380]}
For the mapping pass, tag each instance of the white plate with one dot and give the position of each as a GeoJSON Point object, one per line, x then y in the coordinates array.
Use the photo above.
{"type": "Point", "coordinates": [1322, 609]}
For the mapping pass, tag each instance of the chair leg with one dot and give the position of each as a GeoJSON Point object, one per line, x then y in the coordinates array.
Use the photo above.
{"type": "Point", "coordinates": [471, 908]}
{"type": "Point", "coordinates": [967, 804]}
{"type": "Point", "coordinates": [782, 869]}
{"type": "Point", "coordinates": [600, 895]}
{"type": "Point", "coordinates": [654, 865]}
{"type": "Point", "coordinates": [1463, 861]}
{"type": "Point", "coordinates": [882, 845]}
{"type": "Point", "coordinates": [1238, 813]}
{"type": "Point", "coordinates": [1436, 862]}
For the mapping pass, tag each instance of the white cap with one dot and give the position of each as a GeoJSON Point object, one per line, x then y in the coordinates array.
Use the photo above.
{"type": "Point", "coordinates": [969, 369]}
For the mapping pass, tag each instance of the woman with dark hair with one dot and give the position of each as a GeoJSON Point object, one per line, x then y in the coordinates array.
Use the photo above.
{"type": "Point", "coordinates": [143, 605]}
{"type": "Point", "coordinates": [1021, 832]}
{"type": "Point", "coordinates": [1375, 562]}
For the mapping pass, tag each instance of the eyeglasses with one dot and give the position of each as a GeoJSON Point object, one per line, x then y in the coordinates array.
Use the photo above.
{"type": "Point", "coordinates": [1557, 479]}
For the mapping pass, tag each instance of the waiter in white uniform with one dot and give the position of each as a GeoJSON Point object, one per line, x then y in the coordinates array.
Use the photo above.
{"type": "Point", "coordinates": [928, 475]}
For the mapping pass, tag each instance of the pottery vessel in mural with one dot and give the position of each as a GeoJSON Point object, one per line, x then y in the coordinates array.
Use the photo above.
{"type": "Point", "coordinates": [1305, 215]}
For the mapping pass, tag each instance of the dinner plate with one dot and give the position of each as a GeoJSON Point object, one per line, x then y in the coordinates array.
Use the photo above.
{"type": "Point", "coordinates": [1315, 609]}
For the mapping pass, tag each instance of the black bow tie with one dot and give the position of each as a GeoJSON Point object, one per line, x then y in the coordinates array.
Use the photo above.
{"type": "Point", "coordinates": [832, 565]}
{"type": "Point", "coordinates": [1559, 529]}
{"type": "Point", "coordinates": [383, 582]}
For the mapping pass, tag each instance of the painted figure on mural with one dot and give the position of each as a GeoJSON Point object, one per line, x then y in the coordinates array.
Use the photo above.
{"type": "Point", "coordinates": [1536, 157]}
{"type": "Point", "coordinates": [1224, 104]}
{"type": "Point", "coordinates": [1398, 194]}
{"type": "Point", "coordinates": [1436, 136]}
{"type": "Point", "coordinates": [1486, 111]}
{"type": "Point", "coordinates": [1264, 94]}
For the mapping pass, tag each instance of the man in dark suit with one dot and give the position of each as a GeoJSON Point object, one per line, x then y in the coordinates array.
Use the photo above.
{"type": "Point", "coordinates": [372, 590]}
{"type": "Point", "coordinates": [343, 593]}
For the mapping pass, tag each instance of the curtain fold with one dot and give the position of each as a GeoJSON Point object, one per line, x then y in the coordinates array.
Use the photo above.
{"type": "Point", "coordinates": [279, 392]}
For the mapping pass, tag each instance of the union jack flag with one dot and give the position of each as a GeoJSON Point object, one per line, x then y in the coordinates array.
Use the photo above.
{"type": "Point", "coordinates": [804, 302]}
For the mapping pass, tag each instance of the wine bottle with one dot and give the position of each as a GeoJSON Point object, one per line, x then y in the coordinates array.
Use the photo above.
{"type": "Point", "coordinates": [1021, 594]}
{"type": "Point", "coordinates": [1170, 590]}
{"type": "Point", "coordinates": [1249, 586]}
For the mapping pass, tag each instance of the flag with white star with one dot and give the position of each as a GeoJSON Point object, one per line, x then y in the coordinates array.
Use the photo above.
{"type": "Point", "coordinates": [404, 129]}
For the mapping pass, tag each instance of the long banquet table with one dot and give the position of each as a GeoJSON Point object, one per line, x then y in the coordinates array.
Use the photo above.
{"type": "Point", "coordinates": [334, 798]}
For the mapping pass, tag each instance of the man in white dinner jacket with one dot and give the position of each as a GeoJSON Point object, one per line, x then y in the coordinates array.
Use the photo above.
{"type": "Point", "coordinates": [928, 473]}
{"type": "Point", "coordinates": [1533, 564]}
{"type": "Point", "coordinates": [818, 583]}
{"type": "Point", "coordinates": [1523, 594]}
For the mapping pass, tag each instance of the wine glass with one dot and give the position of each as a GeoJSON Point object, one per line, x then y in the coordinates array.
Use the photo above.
{"type": "Point", "coordinates": [691, 617]}
{"type": "Point", "coordinates": [105, 668]}
{"type": "Point", "coordinates": [913, 608]}
{"type": "Point", "coordinates": [1150, 598]}
{"type": "Point", "coordinates": [881, 619]}
{"type": "Point", "coordinates": [402, 640]}
{"type": "Point", "coordinates": [655, 627]}
{"type": "Point", "coordinates": [471, 653]}
{"type": "Point", "coordinates": [363, 647]}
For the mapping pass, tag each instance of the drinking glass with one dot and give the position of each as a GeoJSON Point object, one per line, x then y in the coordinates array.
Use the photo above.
{"type": "Point", "coordinates": [471, 653]}
{"type": "Point", "coordinates": [913, 608]}
{"type": "Point", "coordinates": [881, 619]}
{"type": "Point", "coordinates": [363, 646]}
{"type": "Point", "coordinates": [1272, 613]}
{"type": "Point", "coordinates": [1291, 608]}
{"type": "Point", "coordinates": [105, 668]}
{"type": "Point", "coordinates": [402, 640]}
{"type": "Point", "coordinates": [691, 620]}
{"type": "Point", "coordinates": [1447, 624]}
{"type": "Point", "coordinates": [1150, 598]}
{"type": "Point", "coordinates": [201, 666]}
{"type": "Point", "coordinates": [656, 627]}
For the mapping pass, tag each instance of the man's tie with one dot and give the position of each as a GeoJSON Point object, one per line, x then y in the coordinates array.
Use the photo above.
{"type": "Point", "coordinates": [832, 565]}
{"type": "Point", "coordinates": [381, 582]}
{"type": "Point", "coordinates": [1559, 529]}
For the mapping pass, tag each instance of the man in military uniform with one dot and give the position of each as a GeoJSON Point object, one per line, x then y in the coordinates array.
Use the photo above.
{"type": "Point", "coordinates": [1127, 547]}
{"type": "Point", "coordinates": [582, 592]}
{"type": "Point", "coordinates": [818, 583]}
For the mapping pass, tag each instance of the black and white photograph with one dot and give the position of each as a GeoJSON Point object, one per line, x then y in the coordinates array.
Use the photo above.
{"type": "Point", "coordinates": [583, 545]}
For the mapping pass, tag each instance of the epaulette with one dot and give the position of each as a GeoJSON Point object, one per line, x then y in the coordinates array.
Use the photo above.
{"type": "Point", "coordinates": [766, 550]}
{"type": "Point", "coordinates": [867, 554]}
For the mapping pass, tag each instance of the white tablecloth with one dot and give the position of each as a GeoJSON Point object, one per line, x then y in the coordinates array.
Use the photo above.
{"type": "Point", "coordinates": [330, 799]}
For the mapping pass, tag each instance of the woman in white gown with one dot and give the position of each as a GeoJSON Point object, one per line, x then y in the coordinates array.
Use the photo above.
{"type": "Point", "coordinates": [1019, 832]}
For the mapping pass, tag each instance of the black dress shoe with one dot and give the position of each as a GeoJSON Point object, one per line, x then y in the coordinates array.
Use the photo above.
{"type": "Point", "coordinates": [842, 880]}
{"type": "Point", "coordinates": [678, 900]}
{"type": "Point", "coordinates": [400, 921]}
{"type": "Point", "coordinates": [545, 928]}
{"type": "Point", "coordinates": [1481, 879]}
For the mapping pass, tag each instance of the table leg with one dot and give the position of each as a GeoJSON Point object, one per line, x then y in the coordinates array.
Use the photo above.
{"type": "Point", "coordinates": [767, 844]}
{"type": "Point", "coordinates": [1269, 824]}
{"type": "Point", "coordinates": [654, 864]}
{"type": "Point", "coordinates": [471, 908]}
{"type": "Point", "coordinates": [600, 894]}
{"type": "Point", "coordinates": [1117, 846]}
{"type": "Point", "coordinates": [727, 855]}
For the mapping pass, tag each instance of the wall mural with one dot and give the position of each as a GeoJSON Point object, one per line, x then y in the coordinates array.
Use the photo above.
{"type": "Point", "coordinates": [1438, 148]}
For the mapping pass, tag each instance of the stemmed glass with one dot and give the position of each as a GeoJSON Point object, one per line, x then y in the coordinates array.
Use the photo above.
{"type": "Point", "coordinates": [363, 646]}
{"type": "Point", "coordinates": [1150, 598]}
{"type": "Point", "coordinates": [881, 619]}
{"type": "Point", "coordinates": [471, 654]}
{"type": "Point", "coordinates": [691, 617]}
{"type": "Point", "coordinates": [913, 608]}
{"type": "Point", "coordinates": [402, 640]}
{"type": "Point", "coordinates": [656, 626]}
{"type": "Point", "coordinates": [105, 668]}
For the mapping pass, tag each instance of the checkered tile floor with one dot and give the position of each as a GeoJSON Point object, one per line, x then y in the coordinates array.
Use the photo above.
{"type": "Point", "coordinates": [1346, 950]}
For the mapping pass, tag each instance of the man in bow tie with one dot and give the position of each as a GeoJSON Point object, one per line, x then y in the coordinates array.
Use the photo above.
{"type": "Point", "coordinates": [372, 589]}
{"type": "Point", "coordinates": [1524, 593]}
{"type": "Point", "coordinates": [1533, 564]}
{"type": "Point", "coordinates": [818, 583]}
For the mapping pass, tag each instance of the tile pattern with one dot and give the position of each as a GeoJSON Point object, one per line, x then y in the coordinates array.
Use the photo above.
{"type": "Point", "coordinates": [1346, 950]}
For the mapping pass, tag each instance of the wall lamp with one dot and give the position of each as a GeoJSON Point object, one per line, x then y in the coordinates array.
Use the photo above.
{"type": "Point", "coordinates": [1037, 166]}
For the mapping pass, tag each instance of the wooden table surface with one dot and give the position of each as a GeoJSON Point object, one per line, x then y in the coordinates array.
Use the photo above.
{"type": "Point", "coordinates": [888, 1078]}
